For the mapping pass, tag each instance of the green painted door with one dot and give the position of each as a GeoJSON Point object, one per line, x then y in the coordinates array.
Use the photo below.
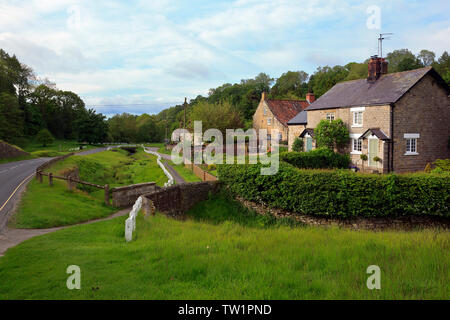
{"type": "Point", "coordinates": [373, 152]}
{"type": "Point", "coordinates": [308, 144]}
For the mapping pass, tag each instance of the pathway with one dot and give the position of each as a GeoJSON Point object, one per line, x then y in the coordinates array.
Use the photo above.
{"type": "Point", "coordinates": [12, 237]}
{"type": "Point", "coordinates": [166, 158]}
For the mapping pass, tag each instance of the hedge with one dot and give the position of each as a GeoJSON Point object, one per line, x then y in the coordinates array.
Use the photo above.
{"type": "Point", "coordinates": [340, 193]}
{"type": "Point", "coordinates": [316, 159]}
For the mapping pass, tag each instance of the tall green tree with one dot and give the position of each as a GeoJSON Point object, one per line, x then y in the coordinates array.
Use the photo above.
{"type": "Point", "coordinates": [291, 85]}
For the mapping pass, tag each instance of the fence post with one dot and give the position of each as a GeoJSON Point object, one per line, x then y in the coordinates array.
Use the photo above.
{"type": "Point", "coordinates": [50, 179]}
{"type": "Point", "coordinates": [69, 183]}
{"type": "Point", "coordinates": [40, 176]}
{"type": "Point", "coordinates": [107, 194]}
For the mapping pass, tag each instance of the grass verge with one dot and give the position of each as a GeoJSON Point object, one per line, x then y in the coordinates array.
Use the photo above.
{"type": "Point", "coordinates": [226, 259]}
{"type": "Point", "coordinates": [43, 206]}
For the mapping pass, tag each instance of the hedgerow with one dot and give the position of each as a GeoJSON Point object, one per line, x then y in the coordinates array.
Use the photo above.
{"type": "Point", "coordinates": [340, 193]}
{"type": "Point", "coordinates": [316, 159]}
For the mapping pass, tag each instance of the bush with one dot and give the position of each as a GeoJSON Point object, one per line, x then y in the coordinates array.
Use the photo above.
{"type": "Point", "coordinates": [316, 159]}
{"type": "Point", "coordinates": [340, 193]}
{"type": "Point", "coordinates": [297, 146]}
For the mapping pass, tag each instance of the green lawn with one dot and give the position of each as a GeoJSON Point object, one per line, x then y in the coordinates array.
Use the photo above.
{"type": "Point", "coordinates": [211, 256]}
{"type": "Point", "coordinates": [43, 206]}
{"type": "Point", "coordinates": [184, 172]}
{"type": "Point", "coordinates": [63, 146]}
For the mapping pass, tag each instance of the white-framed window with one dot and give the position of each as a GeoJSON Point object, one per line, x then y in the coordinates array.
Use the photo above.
{"type": "Point", "coordinates": [280, 137]}
{"type": "Point", "coordinates": [411, 143]}
{"type": "Point", "coordinates": [269, 137]}
{"type": "Point", "coordinates": [356, 146]}
{"type": "Point", "coordinates": [269, 121]}
{"type": "Point", "coordinates": [358, 119]}
{"type": "Point", "coordinates": [330, 116]}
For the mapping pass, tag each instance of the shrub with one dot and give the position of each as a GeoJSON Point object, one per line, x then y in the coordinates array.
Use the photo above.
{"type": "Point", "coordinates": [340, 193]}
{"type": "Point", "coordinates": [316, 159]}
{"type": "Point", "coordinates": [297, 146]}
{"type": "Point", "coordinates": [331, 134]}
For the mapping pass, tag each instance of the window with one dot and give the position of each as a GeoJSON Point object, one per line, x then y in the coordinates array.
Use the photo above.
{"type": "Point", "coordinates": [411, 143]}
{"type": "Point", "coordinates": [280, 137]}
{"type": "Point", "coordinates": [411, 146]}
{"type": "Point", "coordinates": [330, 116]}
{"type": "Point", "coordinates": [269, 121]}
{"type": "Point", "coordinates": [265, 111]}
{"type": "Point", "coordinates": [356, 146]}
{"type": "Point", "coordinates": [358, 118]}
{"type": "Point", "coordinates": [269, 137]}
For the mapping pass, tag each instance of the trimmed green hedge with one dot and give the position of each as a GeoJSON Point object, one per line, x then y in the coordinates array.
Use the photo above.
{"type": "Point", "coordinates": [316, 159]}
{"type": "Point", "coordinates": [340, 193]}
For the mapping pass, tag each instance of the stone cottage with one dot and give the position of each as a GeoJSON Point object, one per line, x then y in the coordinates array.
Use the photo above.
{"type": "Point", "coordinates": [275, 114]}
{"type": "Point", "coordinates": [400, 119]}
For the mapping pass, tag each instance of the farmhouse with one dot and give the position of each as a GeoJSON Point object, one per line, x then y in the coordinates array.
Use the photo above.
{"type": "Point", "coordinates": [400, 119]}
{"type": "Point", "coordinates": [275, 114]}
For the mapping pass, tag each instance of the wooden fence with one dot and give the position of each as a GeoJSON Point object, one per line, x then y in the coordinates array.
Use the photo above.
{"type": "Point", "coordinates": [202, 174]}
{"type": "Point", "coordinates": [72, 182]}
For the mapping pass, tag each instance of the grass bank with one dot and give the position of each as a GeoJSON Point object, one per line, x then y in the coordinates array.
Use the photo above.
{"type": "Point", "coordinates": [211, 256]}
{"type": "Point", "coordinates": [43, 206]}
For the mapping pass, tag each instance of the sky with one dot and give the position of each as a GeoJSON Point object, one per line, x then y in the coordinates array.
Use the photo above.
{"type": "Point", "coordinates": [144, 56]}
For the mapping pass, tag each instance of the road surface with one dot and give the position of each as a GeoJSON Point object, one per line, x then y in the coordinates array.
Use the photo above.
{"type": "Point", "coordinates": [14, 176]}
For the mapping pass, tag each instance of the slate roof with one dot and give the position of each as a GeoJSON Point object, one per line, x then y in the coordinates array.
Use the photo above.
{"type": "Point", "coordinates": [389, 88]}
{"type": "Point", "coordinates": [307, 131]}
{"type": "Point", "coordinates": [376, 132]}
{"type": "Point", "coordinates": [301, 118]}
{"type": "Point", "coordinates": [285, 110]}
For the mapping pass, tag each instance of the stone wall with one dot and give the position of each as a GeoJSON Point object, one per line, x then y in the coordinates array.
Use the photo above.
{"type": "Point", "coordinates": [294, 132]}
{"type": "Point", "coordinates": [425, 110]}
{"type": "Point", "coordinates": [124, 197]}
{"type": "Point", "coordinates": [178, 199]}
{"type": "Point", "coordinates": [9, 151]}
{"type": "Point", "coordinates": [357, 223]}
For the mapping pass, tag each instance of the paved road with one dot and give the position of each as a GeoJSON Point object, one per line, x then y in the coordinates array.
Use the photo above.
{"type": "Point", "coordinates": [14, 176]}
{"type": "Point", "coordinates": [166, 157]}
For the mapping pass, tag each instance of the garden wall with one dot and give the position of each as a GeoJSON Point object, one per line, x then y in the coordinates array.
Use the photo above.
{"type": "Point", "coordinates": [178, 199]}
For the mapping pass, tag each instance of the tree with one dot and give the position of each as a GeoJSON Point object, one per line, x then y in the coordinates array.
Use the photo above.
{"type": "Point", "coordinates": [291, 85]}
{"type": "Point", "coordinates": [297, 146]}
{"type": "Point", "coordinates": [426, 57]}
{"type": "Point", "coordinates": [221, 116]}
{"type": "Point", "coordinates": [325, 78]}
{"type": "Point", "coordinates": [402, 60]}
{"type": "Point", "coordinates": [332, 134]}
{"type": "Point", "coordinates": [356, 71]}
{"type": "Point", "coordinates": [92, 127]}
{"type": "Point", "coordinates": [443, 66]}
{"type": "Point", "coordinates": [11, 121]}
{"type": "Point", "coordinates": [44, 137]}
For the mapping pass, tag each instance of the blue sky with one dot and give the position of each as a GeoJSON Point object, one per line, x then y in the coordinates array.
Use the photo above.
{"type": "Point", "coordinates": [148, 55]}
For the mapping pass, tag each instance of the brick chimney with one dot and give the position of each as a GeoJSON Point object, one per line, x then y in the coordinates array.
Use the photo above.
{"type": "Point", "coordinates": [377, 67]}
{"type": "Point", "coordinates": [310, 97]}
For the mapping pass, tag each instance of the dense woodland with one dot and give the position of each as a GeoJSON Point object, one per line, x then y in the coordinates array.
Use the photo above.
{"type": "Point", "coordinates": [29, 105]}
